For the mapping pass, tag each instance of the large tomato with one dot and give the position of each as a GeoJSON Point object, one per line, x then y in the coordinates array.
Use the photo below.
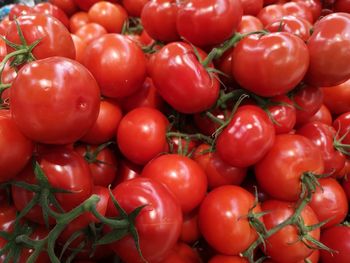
{"type": "Point", "coordinates": [52, 10]}
{"type": "Point", "coordinates": [158, 224]}
{"type": "Point", "coordinates": [54, 100]}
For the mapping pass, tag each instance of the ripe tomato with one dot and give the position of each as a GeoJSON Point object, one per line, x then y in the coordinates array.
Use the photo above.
{"type": "Point", "coordinates": [80, 46]}
{"type": "Point", "coordinates": [60, 104]}
{"type": "Point", "coordinates": [78, 20]}
{"type": "Point", "coordinates": [190, 232]}
{"type": "Point", "coordinates": [127, 171]}
{"type": "Point", "coordinates": [86, 4]}
{"type": "Point", "coordinates": [342, 126]}
{"type": "Point", "coordinates": [322, 115]}
{"type": "Point", "coordinates": [314, 6]}
{"type": "Point", "coordinates": [19, 10]}
{"type": "Point", "coordinates": [338, 239]}
{"type": "Point", "coordinates": [68, 6]}
{"type": "Point", "coordinates": [248, 137]}
{"type": "Point", "coordinates": [205, 18]}
{"type": "Point", "coordinates": [141, 134]}
{"type": "Point", "coordinates": [342, 6]}
{"type": "Point", "coordinates": [337, 98]}
{"type": "Point", "coordinates": [55, 37]}
{"type": "Point", "coordinates": [252, 7]}
{"type": "Point", "coordinates": [134, 7]}
{"type": "Point", "coordinates": [279, 172]}
{"type": "Point", "coordinates": [90, 31]}
{"type": "Point", "coordinates": [249, 24]}
{"type": "Point", "coordinates": [104, 58]}
{"type": "Point", "coordinates": [182, 176]}
{"type": "Point", "coordinates": [158, 224]}
{"type": "Point", "coordinates": [182, 253]}
{"type": "Point", "coordinates": [223, 221]}
{"type": "Point", "coordinates": [298, 10]}
{"type": "Point", "coordinates": [52, 10]}
{"type": "Point", "coordinates": [271, 13]}
{"type": "Point", "coordinates": [227, 259]}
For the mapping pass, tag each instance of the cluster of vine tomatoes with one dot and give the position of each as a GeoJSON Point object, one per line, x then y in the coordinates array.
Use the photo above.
{"type": "Point", "coordinates": [175, 131]}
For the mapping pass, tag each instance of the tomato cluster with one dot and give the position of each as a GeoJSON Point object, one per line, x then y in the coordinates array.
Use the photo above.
{"type": "Point", "coordinates": [168, 131]}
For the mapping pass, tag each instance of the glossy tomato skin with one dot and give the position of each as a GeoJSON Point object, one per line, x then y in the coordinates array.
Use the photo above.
{"type": "Point", "coordinates": [158, 224]}
{"type": "Point", "coordinates": [329, 51]}
{"type": "Point", "coordinates": [19, 10]}
{"type": "Point", "coordinates": [338, 239]}
{"type": "Point", "coordinates": [77, 20]}
{"type": "Point", "coordinates": [252, 7]}
{"type": "Point", "coordinates": [227, 259]}
{"type": "Point", "coordinates": [90, 32]}
{"type": "Point", "coordinates": [117, 63]}
{"type": "Point", "coordinates": [208, 126]}
{"type": "Point", "coordinates": [182, 253]}
{"type": "Point", "coordinates": [212, 21]}
{"type": "Point", "coordinates": [55, 37]}
{"type": "Point", "coordinates": [190, 232]}
{"type": "Point", "coordinates": [15, 149]}
{"type": "Point", "coordinates": [141, 134]}
{"type": "Point", "coordinates": [127, 171]}
{"type": "Point", "coordinates": [222, 219]}
{"type": "Point", "coordinates": [322, 115]}
{"type": "Point", "coordinates": [80, 46]}
{"type": "Point", "coordinates": [298, 10]}
{"type": "Point", "coordinates": [247, 138]}
{"type": "Point", "coordinates": [249, 24]}
{"type": "Point", "coordinates": [314, 6]}
{"type": "Point", "coordinates": [61, 103]}
{"type": "Point", "coordinates": [342, 125]}
{"type": "Point", "coordinates": [271, 13]}
{"type": "Point", "coordinates": [134, 7]}
{"type": "Point", "coordinates": [177, 74]}
{"type": "Point", "coordinates": [68, 6]}
{"type": "Point", "coordinates": [52, 10]}
{"type": "Point", "coordinates": [86, 4]}
{"type": "Point", "coordinates": [259, 62]}
{"type": "Point", "coordinates": [337, 98]}
{"type": "Point", "coordinates": [285, 246]}
{"type": "Point", "coordinates": [279, 172]}
{"type": "Point", "coordinates": [182, 176]}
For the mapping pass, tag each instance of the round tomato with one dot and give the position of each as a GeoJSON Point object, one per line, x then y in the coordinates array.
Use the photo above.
{"type": "Point", "coordinates": [342, 125]}
{"type": "Point", "coordinates": [322, 115]}
{"type": "Point", "coordinates": [249, 24]}
{"type": "Point", "coordinates": [271, 13]}
{"type": "Point", "coordinates": [134, 7]}
{"type": "Point", "coordinates": [89, 32]}
{"type": "Point", "coordinates": [337, 98]}
{"type": "Point", "coordinates": [68, 6]}
{"type": "Point", "coordinates": [19, 10]}
{"type": "Point", "coordinates": [86, 4]}
{"type": "Point", "coordinates": [298, 10]}
{"type": "Point", "coordinates": [252, 7]}
{"type": "Point", "coordinates": [52, 10]}
{"type": "Point", "coordinates": [78, 20]}
{"type": "Point", "coordinates": [190, 232]}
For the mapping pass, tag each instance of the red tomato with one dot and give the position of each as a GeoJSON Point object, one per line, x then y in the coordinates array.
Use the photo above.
{"type": "Point", "coordinates": [279, 172]}
{"type": "Point", "coordinates": [298, 10]}
{"type": "Point", "coordinates": [19, 10]}
{"type": "Point", "coordinates": [127, 171]}
{"type": "Point", "coordinates": [86, 4]}
{"type": "Point", "coordinates": [248, 137]}
{"type": "Point", "coordinates": [206, 125]}
{"type": "Point", "coordinates": [329, 202]}
{"type": "Point", "coordinates": [190, 232]}
{"type": "Point", "coordinates": [249, 24]}
{"type": "Point", "coordinates": [90, 32]}
{"type": "Point", "coordinates": [329, 48]}
{"type": "Point", "coordinates": [52, 10]}
{"type": "Point", "coordinates": [15, 149]}
{"type": "Point", "coordinates": [342, 126]}
{"type": "Point", "coordinates": [227, 259]}
{"type": "Point", "coordinates": [223, 221]}
{"type": "Point", "coordinates": [182, 176]}
{"type": "Point", "coordinates": [337, 98]}
{"type": "Point", "coordinates": [104, 58]}
{"type": "Point", "coordinates": [342, 6]}
{"type": "Point", "coordinates": [322, 115]}
{"type": "Point", "coordinates": [205, 18]}
{"type": "Point", "coordinates": [270, 65]}
{"type": "Point", "coordinates": [346, 187]}
{"type": "Point", "coordinates": [338, 239]}
{"type": "Point", "coordinates": [285, 245]}
{"type": "Point", "coordinates": [106, 124]}
{"type": "Point", "coordinates": [176, 66]}
{"type": "Point", "coordinates": [218, 172]}
{"type": "Point", "coordinates": [182, 253]}
{"type": "Point", "coordinates": [271, 13]}
{"type": "Point", "coordinates": [68, 6]}
{"type": "Point", "coordinates": [111, 16]}
{"type": "Point", "coordinates": [80, 46]}
{"type": "Point", "coordinates": [314, 6]}
{"type": "Point", "coordinates": [141, 134]}
{"type": "Point", "coordinates": [158, 224]}
{"type": "Point", "coordinates": [78, 20]}
{"type": "Point", "coordinates": [61, 104]}
{"type": "Point", "coordinates": [4, 24]}
{"type": "Point", "coordinates": [159, 19]}
{"type": "Point", "coordinates": [3, 51]}
{"type": "Point", "coordinates": [55, 37]}
{"type": "Point", "coordinates": [252, 7]}
{"type": "Point", "coordinates": [134, 7]}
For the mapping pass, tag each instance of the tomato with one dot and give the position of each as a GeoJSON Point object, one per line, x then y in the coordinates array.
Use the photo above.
{"type": "Point", "coordinates": [19, 10]}
{"type": "Point", "coordinates": [208, 126]}
{"type": "Point", "coordinates": [249, 24]}
{"type": "Point", "coordinates": [227, 259]}
{"type": "Point", "coordinates": [217, 171]}
{"type": "Point", "coordinates": [61, 104]}
{"type": "Point", "coordinates": [52, 10]}
{"type": "Point", "coordinates": [298, 10]}
{"type": "Point", "coordinates": [176, 66]}
{"type": "Point", "coordinates": [285, 245]}
{"type": "Point", "coordinates": [15, 149]}
{"type": "Point", "coordinates": [190, 232]}
{"type": "Point", "coordinates": [342, 126]}
{"type": "Point", "coordinates": [323, 137]}
{"type": "Point", "coordinates": [80, 46]}
{"type": "Point", "coordinates": [158, 224]}
{"type": "Point", "coordinates": [104, 57]}
{"type": "Point", "coordinates": [252, 7]}
{"type": "Point", "coordinates": [223, 221]}
{"type": "Point", "coordinates": [111, 16]}
{"type": "Point", "coordinates": [159, 19]}
{"type": "Point", "coordinates": [103, 166]}
{"type": "Point", "coordinates": [141, 134]}
{"type": "Point", "coordinates": [182, 253]}
{"type": "Point", "coordinates": [346, 187]}
{"type": "Point", "coordinates": [259, 62]}
{"type": "Point", "coordinates": [90, 32]}
{"type": "Point", "coordinates": [322, 115]}
{"type": "Point", "coordinates": [279, 172]}
{"type": "Point", "coordinates": [248, 137]}
{"type": "Point", "coordinates": [342, 6]}
{"type": "Point", "coordinates": [314, 6]}
{"type": "Point", "coordinates": [344, 172]}
{"type": "Point", "coordinates": [329, 48]}
{"type": "Point", "coordinates": [271, 13]}
{"type": "Point", "coordinates": [78, 20]}
{"type": "Point", "coordinates": [338, 239]}
{"type": "Point", "coordinates": [337, 98]}
{"type": "Point", "coordinates": [4, 26]}
{"type": "Point", "coordinates": [205, 18]}
{"type": "Point", "coordinates": [55, 37]}
{"type": "Point", "coordinates": [329, 202]}
{"type": "Point", "coordinates": [106, 125]}
{"type": "Point", "coordinates": [86, 4]}
{"type": "Point", "coordinates": [134, 7]}
{"type": "Point", "coordinates": [127, 171]}
{"type": "Point", "coordinates": [182, 176]}
{"type": "Point", "coordinates": [68, 6]}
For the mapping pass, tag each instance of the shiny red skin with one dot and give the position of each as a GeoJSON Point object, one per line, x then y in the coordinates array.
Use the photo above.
{"type": "Point", "coordinates": [15, 149]}
{"type": "Point", "coordinates": [159, 20]}
{"type": "Point", "coordinates": [80, 46]}
{"type": "Point", "coordinates": [206, 125]}
{"type": "Point", "coordinates": [329, 48]}
{"type": "Point", "coordinates": [176, 66]}
{"type": "Point", "coordinates": [338, 239]}
{"type": "Point", "coordinates": [248, 137]}
{"type": "Point", "coordinates": [337, 98]}
{"type": "Point", "coordinates": [68, 6]}
{"type": "Point", "coordinates": [329, 202]}
{"type": "Point", "coordinates": [134, 7]}
{"type": "Point", "coordinates": [117, 63]}
{"type": "Point", "coordinates": [141, 134]}
{"type": "Point", "coordinates": [61, 104]}
{"type": "Point", "coordinates": [3, 51]}
{"type": "Point", "coordinates": [252, 7]}
{"type": "Point", "coordinates": [322, 135]}
{"type": "Point", "coordinates": [127, 171]}
{"type": "Point", "coordinates": [190, 232]}
{"type": "Point", "coordinates": [342, 125]}
{"type": "Point", "coordinates": [322, 115]}
{"type": "Point", "coordinates": [218, 172]}
{"type": "Point", "coordinates": [259, 62]}
{"type": "Point", "coordinates": [182, 176]}
{"type": "Point", "coordinates": [158, 224]}
{"type": "Point", "coordinates": [315, 6]}
{"type": "Point", "coordinates": [223, 221]}
{"type": "Point", "coordinates": [4, 24]}
{"type": "Point", "coordinates": [182, 253]}
{"type": "Point", "coordinates": [227, 259]}
{"type": "Point", "coordinates": [55, 37]}
{"type": "Point", "coordinates": [77, 20]}
{"type": "Point", "coordinates": [285, 246]}
{"type": "Point", "coordinates": [249, 24]}
{"type": "Point", "coordinates": [291, 24]}
{"type": "Point", "coordinates": [298, 10]}
{"type": "Point", "coordinates": [86, 4]}
{"type": "Point", "coordinates": [279, 172]}
{"type": "Point", "coordinates": [212, 21]}
{"type": "Point", "coordinates": [106, 124]}
{"type": "Point", "coordinates": [52, 10]}
{"type": "Point", "coordinates": [18, 10]}
{"type": "Point", "coordinates": [90, 32]}
{"type": "Point", "coordinates": [283, 115]}
{"type": "Point", "coordinates": [271, 13]}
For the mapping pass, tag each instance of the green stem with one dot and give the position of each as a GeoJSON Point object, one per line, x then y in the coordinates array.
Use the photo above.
{"type": "Point", "coordinates": [120, 224]}
{"type": "Point", "coordinates": [214, 118]}
{"type": "Point", "coordinates": [195, 136]}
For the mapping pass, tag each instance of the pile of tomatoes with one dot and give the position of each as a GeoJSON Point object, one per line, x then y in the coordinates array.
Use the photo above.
{"type": "Point", "coordinates": [175, 131]}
